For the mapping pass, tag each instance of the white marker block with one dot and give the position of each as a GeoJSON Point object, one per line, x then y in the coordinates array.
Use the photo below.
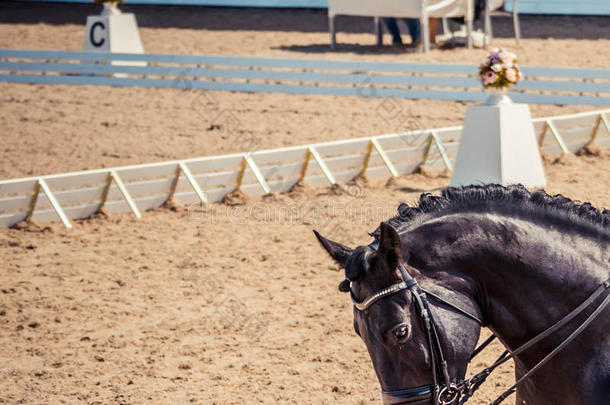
{"type": "Point", "coordinates": [498, 145]}
{"type": "Point", "coordinates": [113, 32]}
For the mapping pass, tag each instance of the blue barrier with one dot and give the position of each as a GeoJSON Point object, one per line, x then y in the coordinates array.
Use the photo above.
{"type": "Point", "coordinates": [440, 81]}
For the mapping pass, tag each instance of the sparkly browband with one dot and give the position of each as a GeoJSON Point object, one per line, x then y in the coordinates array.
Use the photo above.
{"type": "Point", "coordinates": [371, 299]}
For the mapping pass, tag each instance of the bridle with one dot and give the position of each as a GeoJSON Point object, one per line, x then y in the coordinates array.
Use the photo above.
{"type": "Point", "coordinates": [443, 391]}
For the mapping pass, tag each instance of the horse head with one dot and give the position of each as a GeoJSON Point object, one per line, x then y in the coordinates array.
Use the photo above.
{"type": "Point", "coordinates": [527, 263]}
{"type": "Point", "coordinates": [388, 318]}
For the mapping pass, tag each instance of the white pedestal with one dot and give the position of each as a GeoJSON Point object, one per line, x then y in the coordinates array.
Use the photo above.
{"type": "Point", "coordinates": [498, 145]}
{"type": "Point", "coordinates": [113, 33]}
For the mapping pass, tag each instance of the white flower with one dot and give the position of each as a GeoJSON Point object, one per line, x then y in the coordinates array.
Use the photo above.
{"type": "Point", "coordinates": [512, 75]}
{"type": "Point", "coordinates": [496, 67]}
{"type": "Point", "coordinates": [507, 57]}
{"type": "Point", "coordinates": [518, 71]}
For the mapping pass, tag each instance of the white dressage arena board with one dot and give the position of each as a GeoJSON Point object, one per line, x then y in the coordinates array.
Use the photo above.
{"type": "Point", "coordinates": [139, 188]}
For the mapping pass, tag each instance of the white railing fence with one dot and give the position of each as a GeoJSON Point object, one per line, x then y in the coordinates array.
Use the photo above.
{"type": "Point", "coordinates": [140, 188]}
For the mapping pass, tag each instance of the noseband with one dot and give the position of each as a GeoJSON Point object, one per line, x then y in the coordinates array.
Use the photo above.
{"type": "Point", "coordinates": [443, 391]}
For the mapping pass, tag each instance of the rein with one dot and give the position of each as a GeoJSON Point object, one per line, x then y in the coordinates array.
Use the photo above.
{"type": "Point", "coordinates": [477, 379]}
{"type": "Point", "coordinates": [443, 391]}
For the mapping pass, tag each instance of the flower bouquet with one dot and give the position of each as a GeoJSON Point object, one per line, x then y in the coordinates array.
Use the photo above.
{"type": "Point", "coordinates": [498, 72]}
{"type": "Point", "coordinates": [500, 69]}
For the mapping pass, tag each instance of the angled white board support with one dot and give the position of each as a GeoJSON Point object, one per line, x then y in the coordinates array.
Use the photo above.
{"type": "Point", "coordinates": [257, 173]}
{"type": "Point", "coordinates": [551, 126]}
{"type": "Point", "coordinates": [329, 176]}
{"type": "Point", "coordinates": [602, 119]}
{"type": "Point", "coordinates": [246, 162]}
{"type": "Point", "coordinates": [441, 150]}
{"type": "Point", "coordinates": [113, 175]}
{"type": "Point", "coordinates": [384, 157]}
{"type": "Point", "coordinates": [192, 181]}
{"type": "Point", "coordinates": [44, 187]}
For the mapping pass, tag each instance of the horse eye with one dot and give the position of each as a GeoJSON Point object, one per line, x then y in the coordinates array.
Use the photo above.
{"type": "Point", "coordinates": [401, 332]}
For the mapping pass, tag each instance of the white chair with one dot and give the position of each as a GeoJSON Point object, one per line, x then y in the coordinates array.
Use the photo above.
{"type": "Point", "coordinates": [422, 9]}
{"type": "Point", "coordinates": [491, 10]}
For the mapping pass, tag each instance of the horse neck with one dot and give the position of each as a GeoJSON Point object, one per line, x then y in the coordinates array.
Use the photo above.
{"type": "Point", "coordinates": [524, 277]}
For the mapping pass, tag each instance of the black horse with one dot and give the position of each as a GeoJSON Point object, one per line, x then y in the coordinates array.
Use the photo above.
{"type": "Point", "coordinates": [533, 268]}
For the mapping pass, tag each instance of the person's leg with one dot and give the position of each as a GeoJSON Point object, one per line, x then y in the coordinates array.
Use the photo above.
{"type": "Point", "coordinates": [415, 30]}
{"type": "Point", "coordinates": [392, 27]}
{"type": "Point", "coordinates": [413, 27]}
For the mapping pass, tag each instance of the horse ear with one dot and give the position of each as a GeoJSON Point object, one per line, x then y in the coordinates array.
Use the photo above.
{"type": "Point", "coordinates": [389, 245]}
{"type": "Point", "coordinates": [336, 250]}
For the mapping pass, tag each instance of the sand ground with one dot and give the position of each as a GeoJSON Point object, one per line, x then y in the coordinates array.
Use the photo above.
{"type": "Point", "coordinates": [227, 304]}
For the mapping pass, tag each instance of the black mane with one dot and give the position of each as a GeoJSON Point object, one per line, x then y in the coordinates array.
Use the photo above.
{"type": "Point", "coordinates": [513, 200]}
